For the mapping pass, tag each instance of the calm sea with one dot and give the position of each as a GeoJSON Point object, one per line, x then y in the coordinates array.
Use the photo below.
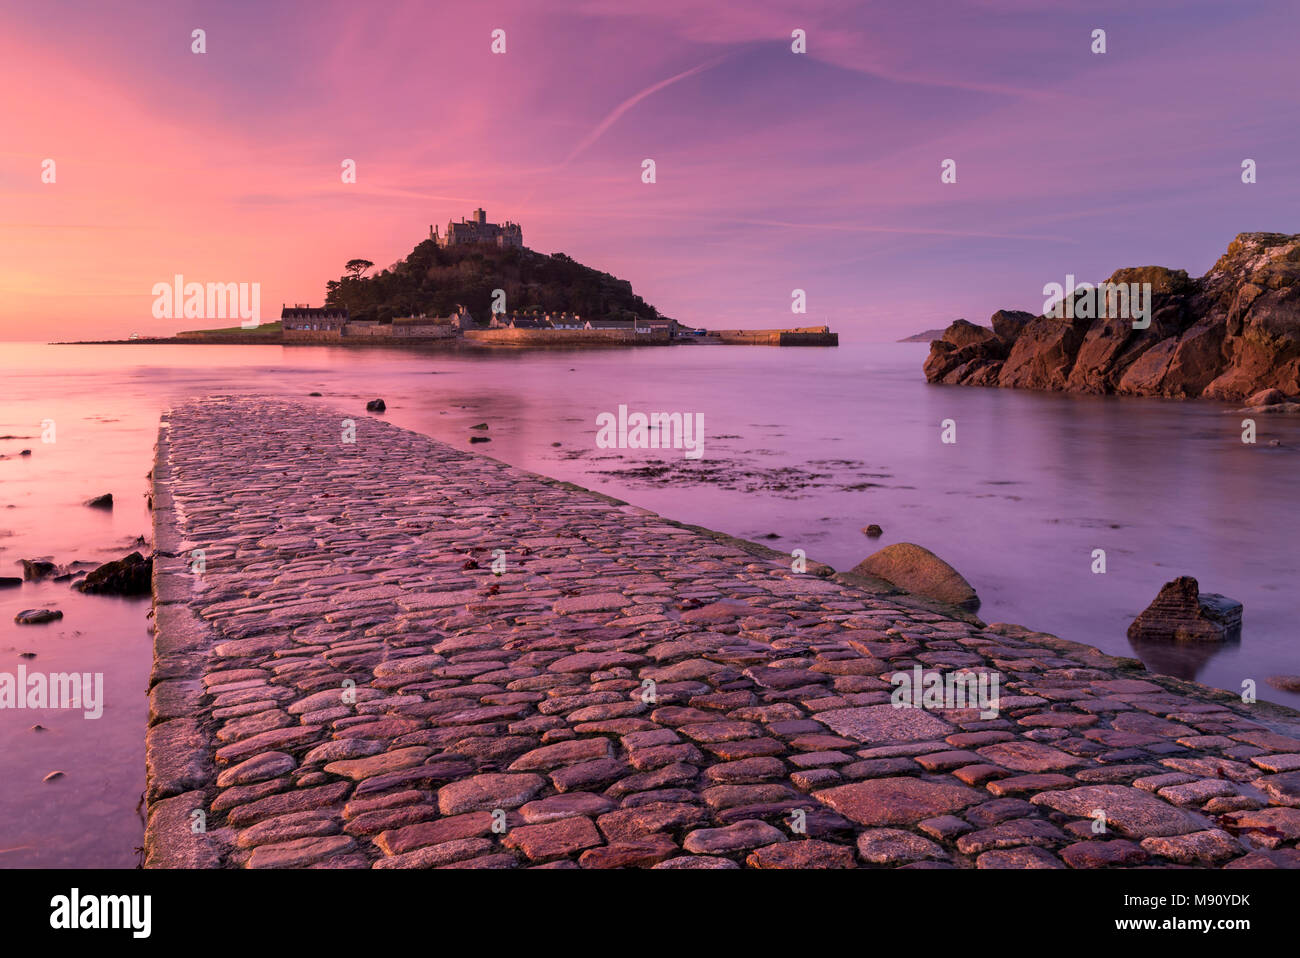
{"type": "Point", "coordinates": [803, 448]}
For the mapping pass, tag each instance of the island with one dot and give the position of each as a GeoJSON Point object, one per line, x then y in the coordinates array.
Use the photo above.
{"type": "Point", "coordinates": [477, 284]}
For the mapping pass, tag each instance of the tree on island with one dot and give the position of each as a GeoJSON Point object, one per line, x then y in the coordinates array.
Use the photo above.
{"type": "Point", "coordinates": [356, 268]}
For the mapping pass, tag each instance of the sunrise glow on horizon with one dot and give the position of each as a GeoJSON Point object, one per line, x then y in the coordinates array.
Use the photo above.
{"type": "Point", "coordinates": [775, 171]}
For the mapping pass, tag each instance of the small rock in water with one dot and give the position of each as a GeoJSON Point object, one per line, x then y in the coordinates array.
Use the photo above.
{"type": "Point", "coordinates": [37, 616]}
{"type": "Point", "coordinates": [916, 569]}
{"type": "Point", "coordinates": [313, 394]}
{"type": "Point", "coordinates": [481, 425]}
{"type": "Point", "coordinates": [26, 655]}
{"type": "Point", "coordinates": [52, 776]}
{"type": "Point", "coordinates": [9, 581]}
{"type": "Point", "coordinates": [874, 531]}
{"type": "Point", "coordinates": [1287, 683]}
{"type": "Point", "coordinates": [479, 439]}
{"type": "Point", "coordinates": [555, 444]}
{"type": "Point", "coordinates": [34, 570]}
{"type": "Point", "coordinates": [101, 502]}
{"type": "Point", "coordinates": [1182, 612]}
{"type": "Point", "coordinates": [375, 405]}
{"type": "Point", "coordinates": [1267, 397]}
{"type": "Point", "coordinates": [38, 728]}
{"type": "Point", "coordinates": [132, 575]}
{"type": "Point", "coordinates": [25, 452]}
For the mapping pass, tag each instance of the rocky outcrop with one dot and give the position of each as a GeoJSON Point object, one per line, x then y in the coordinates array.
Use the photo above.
{"type": "Point", "coordinates": [1008, 323]}
{"type": "Point", "coordinates": [131, 575]}
{"type": "Point", "coordinates": [962, 333]}
{"type": "Point", "coordinates": [1228, 335]}
{"type": "Point", "coordinates": [918, 570]}
{"type": "Point", "coordinates": [1181, 612]}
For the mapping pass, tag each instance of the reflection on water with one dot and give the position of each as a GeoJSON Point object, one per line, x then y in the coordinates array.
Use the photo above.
{"type": "Point", "coordinates": [1183, 660]}
{"type": "Point", "coordinates": [804, 448]}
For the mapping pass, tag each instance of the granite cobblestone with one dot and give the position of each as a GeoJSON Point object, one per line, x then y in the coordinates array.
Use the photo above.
{"type": "Point", "coordinates": [348, 682]}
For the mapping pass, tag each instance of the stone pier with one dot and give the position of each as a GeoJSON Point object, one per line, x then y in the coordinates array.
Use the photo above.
{"type": "Point", "coordinates": [389, 653]}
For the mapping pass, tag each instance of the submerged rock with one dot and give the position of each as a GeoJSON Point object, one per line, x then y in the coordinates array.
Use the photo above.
{"type": "Point", "coordinates": [375, 405]}
{"type": "Point", "coordinates": [37, 616]}
{"type": "Point", "coordinates": [132, 575]}
{"type": "Point", "coordinates": [101, 502]}
{"type": "Point", "coordinates": [1267, 397]}
{"type": "Point", "coordinates": [1272, 409]}
{"type": "Point", "coordinates": [34, 570]}
{"type": "Point", "coordinates": [916, 569]}
{"type": "Point", "coordinates": [1181, 612]}
{"type": "Point", "coordinates": [479, 439]}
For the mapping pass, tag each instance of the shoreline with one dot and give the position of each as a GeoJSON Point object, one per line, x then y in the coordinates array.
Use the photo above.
{"type": "Point", "coordinates": [198, 640]}
{"type": "Point", "coordinates": [493, 337]}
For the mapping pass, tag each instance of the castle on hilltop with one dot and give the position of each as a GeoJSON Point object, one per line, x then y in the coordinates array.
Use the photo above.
{"type": "Point", "coordinates": [479, 230]}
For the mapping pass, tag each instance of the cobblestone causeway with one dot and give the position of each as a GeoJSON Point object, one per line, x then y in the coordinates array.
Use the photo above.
{"type": "Point", "coordinates": [342, 680]}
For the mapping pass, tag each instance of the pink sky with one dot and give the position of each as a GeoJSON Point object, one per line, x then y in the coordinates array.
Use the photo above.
{"type": "Point", "coordinates": [775, 170]}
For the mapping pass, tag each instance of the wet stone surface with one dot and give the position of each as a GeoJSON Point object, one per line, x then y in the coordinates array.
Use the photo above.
{"type": "Point", "coordinates": [345, 679]}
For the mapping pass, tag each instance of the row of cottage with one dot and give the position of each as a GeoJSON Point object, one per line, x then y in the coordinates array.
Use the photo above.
{"type": "Point", "coordinates": [309, 323]}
